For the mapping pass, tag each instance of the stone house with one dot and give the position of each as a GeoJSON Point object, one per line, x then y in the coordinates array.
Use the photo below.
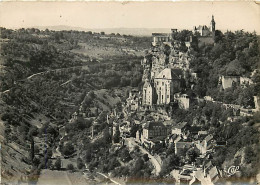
{"type": "Point", "coordinates": [228, 81]}
{"type": "Point", "coordinates": [133, 100]}
{"type": "Point", "coordinates": [245, 81]}
{"type": "Point", "coordinates": [205, 144]}
{"type": "Point", "coordinates": [180, 146]}
{"type": "Point", "coordinates": [180, 128]}
{"type": "Point", "coordinates": [154, 129]}
{"type": "Point", "coordinates": [183, 100]}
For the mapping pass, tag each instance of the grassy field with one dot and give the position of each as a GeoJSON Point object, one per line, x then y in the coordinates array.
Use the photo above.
{"type": "Point", "coordinates": [98, 51]}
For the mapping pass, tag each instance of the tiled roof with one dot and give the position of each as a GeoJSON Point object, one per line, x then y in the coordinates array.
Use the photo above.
{"type": "Point", "coordinates": [146, 84]}
{"type": "Point", "coordinates": [183, 144]}
{"type": "Point", "coordinates": [170, 74]}
{"type": "Point", "coordinates": [180, 125]}
{"type": "Point", "coordinates": [154, 125]}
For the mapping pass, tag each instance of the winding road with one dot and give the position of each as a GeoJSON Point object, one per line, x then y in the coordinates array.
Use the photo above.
{"type": "Point", "coordinates": [130, 142]}
{"type": "Point", "coordinates": [44, 72]}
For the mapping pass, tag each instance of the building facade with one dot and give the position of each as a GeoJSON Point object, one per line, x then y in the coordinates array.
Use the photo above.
{"type": "Point", "coordinates": [148, 94]}
{"type": "Point", "coordinates": [166, 83]}
{"type": "Point", "coordinates": [154, 129]}
{"type": "Point", "coordinates": [204, 30]}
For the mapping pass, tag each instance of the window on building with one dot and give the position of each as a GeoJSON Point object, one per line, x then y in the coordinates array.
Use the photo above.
{"type": "Point", "coordinates": [162, 83]}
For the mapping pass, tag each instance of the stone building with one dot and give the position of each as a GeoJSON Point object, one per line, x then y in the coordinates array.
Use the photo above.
{"type": "Point", "coordinates": [160, 38]}
{"type": "Point", "coordinates": [179, 129]}
{"type": "Point", "coordinates": [166, 84]}
{"type": "Point", "coordinates": [154, 129]}
{"type": "Point", "coordinates": [148, 94]}
{"type": "Point", "coordinates": [183, 100]}
{"type": "Point", "coordinates": [204, 30]}
{"type": "Point", "coordinates": [228, 81]}
{"type": "Point", "coordinates": [133, 101]}
{"type": "Point", "coordinates": [158, 64]}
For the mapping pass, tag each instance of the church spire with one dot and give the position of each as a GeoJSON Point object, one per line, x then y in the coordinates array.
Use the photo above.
{"type": "Point", "coordinates": [213, 24]}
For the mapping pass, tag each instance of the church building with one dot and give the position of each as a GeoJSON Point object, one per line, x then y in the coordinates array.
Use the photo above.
{"type": "Point", "coordinates": [166, 84]}
{"type": "Point", "coordinates": [205, 31]}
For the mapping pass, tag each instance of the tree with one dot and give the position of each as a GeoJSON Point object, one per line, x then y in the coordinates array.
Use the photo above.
{"type": "Point", "coordinates": [106, 135]}
{"type": "Point", "coordinates": [116, 137]}
{"type": "Point", "coordinates": [145, 157]}
{"type": "Point", "coordinates": [80, 163]}
{"type": "Point", "coordinates": [169, 163]}
{"type": "Point", "coordinates": [33, 131]}
{"type": "Point", "coordinates": [133, 130]}
{"type": "Point", "coordinates": [192, 154]}
{"type": "Point", "coordinates": [170, 150]}
{"type": "Point", "coordinates": [32, 150]}
{"type": "Point", "coordinates": [139, 163]}
{"type": "Point", "coordinates": [57, 164]}
{"type": "Point", "coordinates": [70, 167]}
{"type": "Point", "coordinates": [88, 154]}
{"type": "Point", "coordinates": [249, 154]}
{"type": "Point", "coordinates": [125, 156]}
{"type": "Point", "coordinates": [68, 149]}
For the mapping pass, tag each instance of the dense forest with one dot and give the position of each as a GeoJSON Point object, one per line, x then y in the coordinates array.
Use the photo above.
{"type": "Point", "coordinates": [233, 54]}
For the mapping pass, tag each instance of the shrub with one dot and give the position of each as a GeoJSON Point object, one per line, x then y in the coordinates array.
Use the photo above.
{"type": "Point", "coordinates": [70, 167]}
{"type": "Point", "coordinates": [80, 163]}
{"type": "Point", "coordinates": [57, 164]}
{"type": "Point", "coordinates": [68, 149]}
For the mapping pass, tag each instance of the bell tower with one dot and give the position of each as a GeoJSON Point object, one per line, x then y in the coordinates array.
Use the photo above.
{"type": "Point", "coordinates": [213, 24]}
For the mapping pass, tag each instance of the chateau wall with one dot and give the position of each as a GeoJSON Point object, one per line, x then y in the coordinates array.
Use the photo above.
{"type": "Point", "coordinates": [205, 40]}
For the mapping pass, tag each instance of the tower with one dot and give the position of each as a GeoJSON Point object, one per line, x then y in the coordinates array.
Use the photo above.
{"type": "Point", "coordinates": [213, 24]}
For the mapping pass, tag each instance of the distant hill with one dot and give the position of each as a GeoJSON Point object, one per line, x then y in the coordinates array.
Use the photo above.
{"type": "Point", "coordinates": [126, 31]}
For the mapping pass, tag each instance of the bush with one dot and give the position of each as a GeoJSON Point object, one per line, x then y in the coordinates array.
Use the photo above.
{"type": "Point", "coordinates": [125, 156]}
{"type": "Point", "coordinates": [57, 164]}
{"type": "Point", "coordinates": [68, 149]}
{"type": "Point", "coordinates": [145, 157]}
{"type": "Point", "coordinates": [33, 131]}
{"type": "Point", "coordinates": [80, 163]}
{"type": "Point", "coordinates": [70, 167]}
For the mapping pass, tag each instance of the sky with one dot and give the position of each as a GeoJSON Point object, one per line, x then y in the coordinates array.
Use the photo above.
{"type": "Point", "coordinates": [234, 15]}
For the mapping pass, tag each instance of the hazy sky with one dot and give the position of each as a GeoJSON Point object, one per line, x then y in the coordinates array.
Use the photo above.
{"type": "Point", "coordinates": [228, 15]}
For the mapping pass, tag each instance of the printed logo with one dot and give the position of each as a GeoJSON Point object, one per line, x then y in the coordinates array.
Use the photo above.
{"type": "Point", "coordinates": [232, 170]}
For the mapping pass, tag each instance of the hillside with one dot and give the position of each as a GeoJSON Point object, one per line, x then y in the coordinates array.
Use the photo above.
{"type": "Point", "coordinates": [72, 104]}
{"type": "Point", "coordinates": [43, 82]}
